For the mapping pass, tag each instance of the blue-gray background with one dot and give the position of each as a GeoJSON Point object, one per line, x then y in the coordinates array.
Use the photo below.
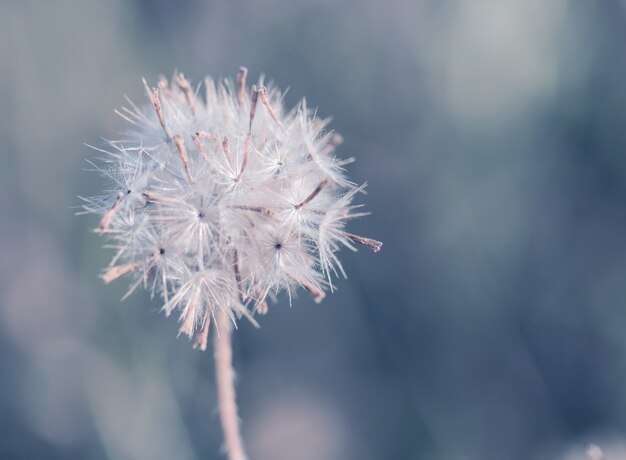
{"type": "Point", "coordinates": [492, 325]}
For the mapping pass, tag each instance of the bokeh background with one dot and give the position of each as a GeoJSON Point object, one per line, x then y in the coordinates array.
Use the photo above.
{"type": "Point", "coordinates": [492, 325]}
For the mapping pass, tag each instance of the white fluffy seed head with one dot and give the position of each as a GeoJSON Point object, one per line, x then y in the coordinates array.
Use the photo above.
{"type": "Point", "coordinates": [216, 202]}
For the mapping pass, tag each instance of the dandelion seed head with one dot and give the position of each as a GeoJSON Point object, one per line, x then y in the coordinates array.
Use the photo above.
{"type": "Point", "coordinates": [218, 197]}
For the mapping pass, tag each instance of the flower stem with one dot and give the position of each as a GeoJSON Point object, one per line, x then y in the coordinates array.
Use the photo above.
{"type": "Point", "coordinates": [225, 377]}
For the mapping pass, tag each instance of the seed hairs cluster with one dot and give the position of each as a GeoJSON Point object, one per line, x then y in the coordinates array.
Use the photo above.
{"type": "Point", "coordinates": [216, 203]}
{"type": "Point", "coordinates": [220, 202]}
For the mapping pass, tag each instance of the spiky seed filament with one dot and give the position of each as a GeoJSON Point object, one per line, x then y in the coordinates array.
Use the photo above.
{"type": "Point", "coordinates": [202, 337]}
{"type": "Point", "coordinates": [199, 138]}
{"type": "Point", "coordinates": [315, 292]}
{"type": "Point", "coordinates": [368, 242]}
{"type": "Point", "coordinates": [264, 211]}
{"type": "Point", "coordinates": [313, 194]}
{"type": "Point", "coordinates": [163, 86]}
{"type": "Point", "coordinates": [262, 307]}
{"type": "Point", "coordinates": [107, 217]}
{"type": "Point", "coordinates": [156, 103]}
{"type": "Point", "coordinates": [246, 155]}
{"type": "Point", "coordinates": [262, 92]}
{"type": "Point", "coordinates": [183, 84]}
{"type": "Point", "coordinates": [241, 85]}
{"type": "Point", "coordinates": [335, 140]}
{"type": "Point", "coordinates": [189, 315]}
{"type": "Point", "coordinates": [226, 147]}
{"type": "Point", "coordinates": [254, 97]}
{"type": "Point", "coordinates": [114, 273]}
{"type": "Point", "coordinates": [182, 153]}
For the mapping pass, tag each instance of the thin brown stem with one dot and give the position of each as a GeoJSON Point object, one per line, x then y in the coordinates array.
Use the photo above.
{"type": "Point", "coordinates": [225, 377]}
{"type": "Point", "coordinates": [246, 156]}
{"type": "Point", "coordinates": [313, 194]}
{"type": "Point", "coordinates": [368, 242]}
{"type": "Point", "coordinates": [237, 272]}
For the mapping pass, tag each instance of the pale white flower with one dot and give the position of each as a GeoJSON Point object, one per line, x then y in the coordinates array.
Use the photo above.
{"type": "Point", "coordinates": [217, 202]}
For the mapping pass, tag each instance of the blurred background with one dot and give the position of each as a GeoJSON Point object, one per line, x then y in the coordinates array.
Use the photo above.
{"type": "Point", "coordinates": [492, 325]}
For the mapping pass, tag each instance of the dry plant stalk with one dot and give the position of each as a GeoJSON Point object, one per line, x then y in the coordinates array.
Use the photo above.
{"type": "Point", "coordinates": [217, 204]}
